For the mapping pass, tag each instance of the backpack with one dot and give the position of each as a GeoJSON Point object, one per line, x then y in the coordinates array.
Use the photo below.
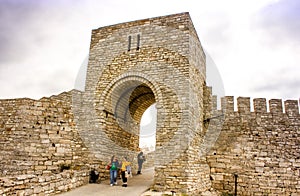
{"type": "Point", "coordinates": [128, 169]}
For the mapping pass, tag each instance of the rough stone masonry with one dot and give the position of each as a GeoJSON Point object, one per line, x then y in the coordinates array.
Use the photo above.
{"type": "Point", "coordinates": [49, 145]}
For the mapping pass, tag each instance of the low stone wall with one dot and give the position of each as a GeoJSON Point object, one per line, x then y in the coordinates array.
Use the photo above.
{"type": "Point", "coordinates": [30, 184]}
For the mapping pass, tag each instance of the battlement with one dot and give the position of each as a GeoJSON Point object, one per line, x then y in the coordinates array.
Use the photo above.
{"type": "Point", "coordinates": [258, 105]}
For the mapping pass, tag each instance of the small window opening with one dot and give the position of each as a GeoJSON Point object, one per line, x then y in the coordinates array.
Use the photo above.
{"type": "Point", "coordinates": [138, 42]}
{"type": "Point", "coordinates": [129, 42]}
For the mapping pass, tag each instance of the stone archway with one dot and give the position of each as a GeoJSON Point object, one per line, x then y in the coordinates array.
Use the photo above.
{"type": "Point", "coordinates": [121, 107]}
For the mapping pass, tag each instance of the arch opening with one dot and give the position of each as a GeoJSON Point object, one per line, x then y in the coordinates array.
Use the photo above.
{"type": "Point", "coordinates": [124, 106]}
{"type": "Point", "coordinates": [148, 129]}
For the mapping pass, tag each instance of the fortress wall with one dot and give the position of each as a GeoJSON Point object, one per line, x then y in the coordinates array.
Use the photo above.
{"type": "Point", "coordinates": [260, 147]}
{"type": "Point", "coordinates": [38, 141]}
{"type": "Point", "coordinates": [197, 145]}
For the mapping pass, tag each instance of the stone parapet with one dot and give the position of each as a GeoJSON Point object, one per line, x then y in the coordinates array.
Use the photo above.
{"type": "Point", "coordinates": [30, 184]}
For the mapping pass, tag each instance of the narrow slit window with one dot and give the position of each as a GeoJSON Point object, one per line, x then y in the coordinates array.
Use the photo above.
{"type": "Point", "coordinates": [129, 42]}
{"type": "Point", "coordinates": [138, 42]}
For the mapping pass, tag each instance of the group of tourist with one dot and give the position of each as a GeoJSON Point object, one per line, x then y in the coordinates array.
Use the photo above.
{"type": "Point", "coordinates": [120, 168]}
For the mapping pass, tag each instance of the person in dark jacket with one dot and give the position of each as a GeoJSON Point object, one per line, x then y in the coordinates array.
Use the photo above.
{"type": "Point", "coordinates": [94, 175]}
{"type": "Point", "coordinates": [141, 159]}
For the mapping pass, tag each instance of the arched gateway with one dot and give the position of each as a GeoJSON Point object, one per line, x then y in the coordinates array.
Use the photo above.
{"type": "Point", "coordinates": [133, 65]}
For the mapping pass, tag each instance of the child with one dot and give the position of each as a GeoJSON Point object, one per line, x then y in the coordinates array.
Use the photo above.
{"type": "Point", "coordinates": [128, 169]}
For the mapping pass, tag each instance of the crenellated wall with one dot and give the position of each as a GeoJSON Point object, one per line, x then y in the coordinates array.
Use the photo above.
{"type": "Point", "coordinates": [260, 147]}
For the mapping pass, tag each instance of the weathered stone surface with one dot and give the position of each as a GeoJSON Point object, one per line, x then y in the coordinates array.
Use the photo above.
{"type": "Point", "coordinates": [260, 147]}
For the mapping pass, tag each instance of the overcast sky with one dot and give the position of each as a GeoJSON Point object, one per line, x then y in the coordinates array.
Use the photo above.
{"type": "Point", "coordinates": [255, 44]}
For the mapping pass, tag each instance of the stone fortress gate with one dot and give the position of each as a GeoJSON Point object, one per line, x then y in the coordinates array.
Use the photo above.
{"type": "Point", "coordinates": [53, 142]}
{"type": "Point", "coordinates": [132, 66]}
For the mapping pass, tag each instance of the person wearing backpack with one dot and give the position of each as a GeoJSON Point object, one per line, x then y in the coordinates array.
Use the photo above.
{"type": "Point", "coordinates": [113, 171]}
{"type": "Point", "coordinates": [125, 169]}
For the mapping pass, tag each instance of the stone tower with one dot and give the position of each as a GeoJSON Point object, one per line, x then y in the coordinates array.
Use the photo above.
{"type": "Point", "coordinates": [132, 66]}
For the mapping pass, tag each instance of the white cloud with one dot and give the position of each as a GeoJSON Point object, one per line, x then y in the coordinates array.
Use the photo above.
{"type": "Point", "coordinates": [44, 44]}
